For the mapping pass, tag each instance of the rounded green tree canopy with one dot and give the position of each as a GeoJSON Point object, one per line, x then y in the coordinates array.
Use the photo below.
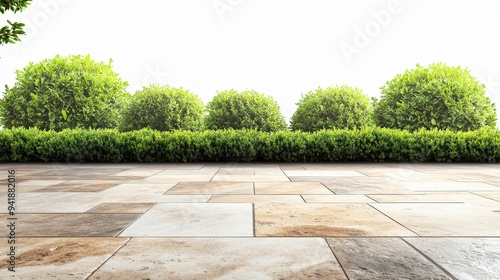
{"type": "Point", "coordinates": [340, 107]}
{"type": "Point", "coordinates": [244, 110]}
{"type": "Point", "coordinates": [438, 96]}
{"type": "Point", "coordinates": [163, 108]}
{"type": "Point", "coordinates": [64, 92]}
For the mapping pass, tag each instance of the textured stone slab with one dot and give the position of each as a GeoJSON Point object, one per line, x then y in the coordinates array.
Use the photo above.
{"type": "Point", "coordinates": [222, 258]}
{"type": "Point", "coordinates": [139, 172]}
{"type": "Point", "coordinates": [441, 197]}
{"type": "Point", "coordinates": [71, 225]}
{"type": "Point", "coordinates": [194, 219]}
{"type": "Point", "coordinates": [337, 198]}
{"type": "Point", "coordinates": [383, 258]}
{"type": "Point", "coordinates": [443, 219]}
{"type": "Point", "coordinates": [449, 186]}
{"type": "Point", "coordinates": [251, 178]}
{"type": "Point", "coordinates": [313, 219]}
{"type": "Point", "coordinates": [58, 202]}
{"type": "Point", "coordinates": [121, 208]}
{"type": "Point", "coordinates": [59, 258]}
{"type": "Point", "coordinates": [78, 187]}
{"type": "Point", "coordinates": [322, 173]}
{"type": "Point", "coordinates": [212, 188]}
{"type": "Point", "coordinates": [290, 188]}
{"type": "Point", "coordinates": [256, 198]}
{"type": "Point", "coordinates": [354, 187]}
{"type": "Point", "coordinates": [464, 258]}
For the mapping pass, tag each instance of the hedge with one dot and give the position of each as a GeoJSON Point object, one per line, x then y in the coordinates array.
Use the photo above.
{"type": "Point", "coordinates": [367, 144]}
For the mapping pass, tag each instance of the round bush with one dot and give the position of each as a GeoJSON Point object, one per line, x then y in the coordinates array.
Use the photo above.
{"type": "Point", "coordinates": [64, 92]}
{"type": "Point", "coordinates": [438, 96]}
{"type": "Point", "coordinates": [340, 107]}
{"type": "Point", "coordinates": [163, 108]}
{"type": "Point", "coordinates": [245, 110]}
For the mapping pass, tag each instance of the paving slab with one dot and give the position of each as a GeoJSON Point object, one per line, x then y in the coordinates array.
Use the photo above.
{"type": "Point", "coordinates": [55, 202]}
{"type": "Point", "coordinates": [355, 187]}
{"type": "Point", "coordinates": [491, 195]}
{"type": "Point", "coordinates": [194, 219]}
{"type": "Point", "coordinates": [236, 198]}
{"type": "Point", "coordinates": [313, 219]}
{"type": "Point", "coordinates": [71, 225]}
{"type": "Point", "coordinates": [212, 188]}
{"type": "Point", "coordinates": [70, 186]}
{"type": "Point", "coordinates": [291, 188]}
{"type": "Point", "coordinates": [222, 258]}
{"type": "Point", "coordinates": [59, 258]}
{"type": "Point", "coordinates": [383, 258]}
{"type": "Point", "coordinates": [276, 177]}
{"type": "Point", "coordinates": [430, 186]}
{"type": "Point", "coordinates": [117, 208]}
{"type": "Point", "coordinates": [443, 219]}
{"type": "Point", "coordinates": [322, 173]}
{"type": "Point", "coordinates": [465, 258]}
{"type": "Point", "coordinates": [337, 198]}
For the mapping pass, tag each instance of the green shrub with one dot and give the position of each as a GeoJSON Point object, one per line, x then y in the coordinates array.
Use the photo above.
{"type": "Point", "coordinates": [163, 108]}
{"type": "Point", "coordinates": [244, 110]}
{"type": "Point", "coordinates": [145, 145]}
{"type": "Point", "coordinates": [64, 92]}
{"type": "Point", "coordinates": [339, 107]}
{"type": "Point", "coordinates": [437, 96]}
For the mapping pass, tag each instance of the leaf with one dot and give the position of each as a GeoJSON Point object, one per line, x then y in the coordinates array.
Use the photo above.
{"type": "Point", "coordinates": [433, 121]}
{"type": "Point", "coordinates": [65, 116]}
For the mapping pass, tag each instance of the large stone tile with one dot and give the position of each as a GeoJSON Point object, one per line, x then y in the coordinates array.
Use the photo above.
{"type": "Point", "coordinates": [322, 173]}
{"type": "Point", "coordinates": [354, 187]}
{"type": "Point", "coordinates": [237, 198]}
{"type": "Point", "coordinates": [222, 258]}
{"type": "Point", "coordinates": [251, 178]}
{"type": "Point", "coordinates": [313, 219]}
{"type": "Point", "coordinates": [71, 225]}
{"type": "Point", "coordinates": [430, 186]}
{"type": "Point", "coordinates": [441, 197]}
{"type": "Point", "coordinates": [290, 188]}
{"type": "Point", "coordinates": [57, 202]}
{"type": "Point", "coordinates": [383, 258]}
{"type": "Point", "coordinates": [337, 198]}
{"type": "Point", "coordinates": [464, 258]}
{"type": "Point", "coordinates": [443, 219]}
{"type": "Point", "coordinates": [194, 219]}
{"type": "Point", "coordinates": [59, 258]}
{"type": "Point", "coordinates": [121, 208]}
{"type": "Point", "coordinates": [212, 188]}
{"type": "Point", "coordinates": [139, 172]}
{"type": "Point", "coordinates": [70, 186]}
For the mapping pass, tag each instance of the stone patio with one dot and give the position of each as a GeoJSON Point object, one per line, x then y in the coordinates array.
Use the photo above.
{"type": "Point", "coordinates": [253, 221]}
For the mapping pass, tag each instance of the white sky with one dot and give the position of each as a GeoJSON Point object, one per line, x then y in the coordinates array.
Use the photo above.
{"type": "Point", "coordinates": [279, 47]}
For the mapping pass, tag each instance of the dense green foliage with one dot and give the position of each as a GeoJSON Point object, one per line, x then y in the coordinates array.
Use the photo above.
{"type": "Point", "coordinates": [9, 34]}
{"type": "Point", "coordinates": [245, 110]}
{"type": "Point", "coordinates": [437, 96]}
{"type": "Point", "coordinates": [339, 107]}
{"type": "Point", "coordinates": [367, 144]}
{"type": "Point", "coordinates": [163, 108]}
{"type": "Point", "coordinates": [64, 92]}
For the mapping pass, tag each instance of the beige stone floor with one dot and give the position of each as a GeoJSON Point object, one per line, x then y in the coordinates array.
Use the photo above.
{"type": "Point", "coordinates": [253, 221]}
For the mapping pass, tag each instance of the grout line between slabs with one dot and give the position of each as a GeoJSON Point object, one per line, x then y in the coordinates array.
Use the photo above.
{"type": "Point", "coordinates": [337, 259]}
{"type": "Point", "coordinates": [430, 260]}
{"type": "Point", "coordinates": [393, 220]}
{"type": "Point", "coordinates": [112, 255]}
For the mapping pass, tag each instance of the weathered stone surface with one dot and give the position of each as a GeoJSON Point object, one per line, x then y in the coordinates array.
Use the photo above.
{"type": "Point", "coordinates": [194, 219]}
{"type": "Point", "coordinates": [313, 219]}
{"type": "Point", "coordinates": [222, 258]}
{"type": "Point", "coordinates": [383, 258]}
{"type": "Point", "coordinates": [464, 258]}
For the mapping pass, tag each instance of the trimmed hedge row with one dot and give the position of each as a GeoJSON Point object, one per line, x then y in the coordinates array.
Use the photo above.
{"type": "Point", "coordinates": [367, 144]}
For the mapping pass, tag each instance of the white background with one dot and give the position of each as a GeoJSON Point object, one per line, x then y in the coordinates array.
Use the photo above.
{"type": "Point", "coordinates": [278, 47]}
